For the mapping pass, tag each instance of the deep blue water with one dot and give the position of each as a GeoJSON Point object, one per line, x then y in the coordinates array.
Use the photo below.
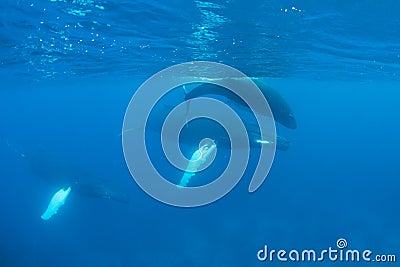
{"type": "Point", "coordinates": [69, 69]}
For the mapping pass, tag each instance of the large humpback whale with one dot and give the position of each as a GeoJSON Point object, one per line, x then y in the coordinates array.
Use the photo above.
{"type": "Point", "coordinates": [63, 174]}
{"type": "Point", "coordinates": [280, 108]}
{"type": "Point", "coordinates": [197, 131]}
{"type": "Point", "coordinates": [218, 134]}
{"type": "Point", "coordinates": [158, 117]}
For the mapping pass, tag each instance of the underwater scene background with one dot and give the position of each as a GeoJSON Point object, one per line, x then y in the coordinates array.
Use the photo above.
{"type": "Point", "coordinates": [69, 68]}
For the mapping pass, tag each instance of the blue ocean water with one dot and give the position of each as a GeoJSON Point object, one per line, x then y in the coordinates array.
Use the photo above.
{"type": "Point", "coordinates": [70, 67]}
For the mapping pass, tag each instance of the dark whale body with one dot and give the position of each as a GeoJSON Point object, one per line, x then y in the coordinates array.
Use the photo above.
{"type": "Point", "coordinates": [63, 174]}
{"type": "Point", "coordinates": [280, 108]}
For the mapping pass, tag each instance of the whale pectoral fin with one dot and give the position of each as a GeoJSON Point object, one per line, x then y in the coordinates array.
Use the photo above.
{"type": "Point", "coordinates": [198, 158]}
{"type": "Point", "coordinates": [281, 142]}
{"type": "Point", "coordinates": [56, 202]}
{"type": "Point", "coordinates": [185, 89]}
{"type": "Point", "coordinates": [185, 179]}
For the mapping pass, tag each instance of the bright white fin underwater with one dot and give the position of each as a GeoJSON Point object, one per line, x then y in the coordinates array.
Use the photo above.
{"type": "Point", "coordinates": [56, 202]}
{"type": "Point", "coordinates": [198, 158]}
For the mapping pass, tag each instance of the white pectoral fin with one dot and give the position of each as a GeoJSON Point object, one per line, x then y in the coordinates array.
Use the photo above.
{"type": "Point", "coordinates": [55, 203]}
{"type": "Point", "coordinates": [190, 169]}
{"type": "Point", "coordinates": [185, 89]}
{"type": "Point", "coordinates": [263, 142]}
{"type": "Point", "coordinates": [185, 179]}
{"type": "Point", "coordinates": [196, 161]}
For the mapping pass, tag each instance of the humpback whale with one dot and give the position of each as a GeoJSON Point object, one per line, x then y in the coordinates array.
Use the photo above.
{"type": "Point", "coordinates": [197, 130]}
{"type": "Point", "coordinates": [65, 177]}
{"type": "Point", "coordinates": [280, 108]}
{"type": "Point", "coordinates": [63, 174]}
{"type": "Point", "coordinates": [254, 134]}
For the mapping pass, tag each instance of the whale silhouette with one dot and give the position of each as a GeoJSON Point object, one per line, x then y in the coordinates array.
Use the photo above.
{"type": "Point", "coordinates": [280, 108]}
{"type": "Point", "coordinates": [63, 174]}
